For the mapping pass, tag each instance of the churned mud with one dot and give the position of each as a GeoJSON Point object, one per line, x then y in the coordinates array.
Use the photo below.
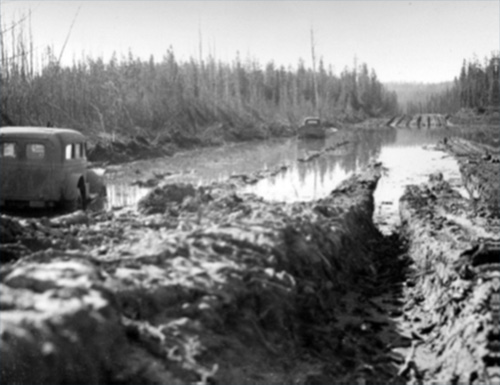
{"type": "Point", "coordinates": [204, 286]}
{"type": "Point", "coordinates": [215, 284]}
{"type": "Point", "coordinates": [453, 292]}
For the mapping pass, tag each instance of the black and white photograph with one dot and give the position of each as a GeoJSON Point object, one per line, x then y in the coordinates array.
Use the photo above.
{"type": "Point", "coordinates": [250, 192]}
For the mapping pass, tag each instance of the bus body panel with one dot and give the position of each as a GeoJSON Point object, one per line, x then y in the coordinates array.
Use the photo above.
{"type": "Point", "coordinates": [34, 169]}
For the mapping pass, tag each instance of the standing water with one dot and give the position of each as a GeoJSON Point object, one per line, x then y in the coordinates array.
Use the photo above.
{"type": "Point", "coordinates": [304, 169]}
{"type": "Point", "coordinates": [409, 161]}
{"type": "Point", "coordinates": [407, 156]}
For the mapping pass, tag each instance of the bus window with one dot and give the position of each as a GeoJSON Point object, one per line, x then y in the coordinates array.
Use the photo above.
{"type": "Point", "coordinates": [78, 150]}
{"type": "Point", "coordinates": [68, 151]}
{"type": "Point", "coordinates": [35, 151]}
{"type": "Point", "coordinates": [8, 150]}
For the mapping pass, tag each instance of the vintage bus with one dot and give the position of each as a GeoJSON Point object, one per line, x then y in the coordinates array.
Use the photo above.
{"type": "Point", "coordinates": [43, 167]}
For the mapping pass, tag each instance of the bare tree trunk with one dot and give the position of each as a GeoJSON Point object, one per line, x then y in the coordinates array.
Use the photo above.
{"type": "Point", "coordinates": [315, 83]}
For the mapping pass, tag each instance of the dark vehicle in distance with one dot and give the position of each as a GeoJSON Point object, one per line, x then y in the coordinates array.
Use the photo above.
{"type": "Point", "coordinates": [314, 128]}
{"type": "Point", "coordinates": [311, 128]}
{"type": "Point", "coordinates": [43, 167]}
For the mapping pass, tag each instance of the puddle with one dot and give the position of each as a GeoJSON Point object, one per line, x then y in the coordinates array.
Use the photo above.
{"type": "Point", "coordinates": [198, 167]}
{"type": "Point", "coordinates": [312, 169]}
{"type": "Point", "coordinates": [335, 162]}
{"type": "Point", "coordinates": [122, 195]}
{"type": "Point", "coordinates": [406, 155]}
{"type": "Point", "coordinates": [407, 165]}
{"type": "Point", "coordinates": [302, 184]}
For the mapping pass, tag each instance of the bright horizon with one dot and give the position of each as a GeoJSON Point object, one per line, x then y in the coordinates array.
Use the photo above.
{"type": "Point", "coordinates": [403, 41]}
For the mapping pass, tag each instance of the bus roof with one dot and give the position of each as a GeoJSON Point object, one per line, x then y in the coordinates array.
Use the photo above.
{"type": "Point", "coordinates": [64, 134]}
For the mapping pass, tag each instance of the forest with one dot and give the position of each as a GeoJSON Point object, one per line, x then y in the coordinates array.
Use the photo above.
{"type": "Point", "coordinates": [412, 95]}
{"type": "Point", "coordinates": [476, 89]}
{"type": "Point", "coordinates": [127, 94]}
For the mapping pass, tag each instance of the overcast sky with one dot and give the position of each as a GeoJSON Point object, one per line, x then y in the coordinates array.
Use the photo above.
{"type": "Point", "coordinates": [423, 41]}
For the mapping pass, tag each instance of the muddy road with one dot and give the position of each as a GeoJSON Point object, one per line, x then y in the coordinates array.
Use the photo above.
{"type": "Point", "coordinates": [366, 258]}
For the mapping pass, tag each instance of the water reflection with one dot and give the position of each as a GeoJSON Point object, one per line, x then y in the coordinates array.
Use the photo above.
{"type": "Point", "coordinates": [409, 164]}
{"type": "Point", "coordinates": [335, 162]}
{"type": "Point", "coordinates": [121, 195]}
{"type": "Point", "coordinates": [198, 167]}
{"type": "Point", "coordinates": [314, 167]}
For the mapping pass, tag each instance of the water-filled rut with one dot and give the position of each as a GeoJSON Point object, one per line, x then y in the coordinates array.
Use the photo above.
{"type": "Point", "coordinates": [453, 302]}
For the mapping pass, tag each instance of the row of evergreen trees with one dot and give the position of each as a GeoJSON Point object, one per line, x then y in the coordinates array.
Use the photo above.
{"type": "Point", "coordinates": [476, 88]}
{"type": "Point", "coordinates": [125, 94]}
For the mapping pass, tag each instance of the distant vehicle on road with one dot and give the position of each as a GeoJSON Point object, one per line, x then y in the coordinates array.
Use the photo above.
{"type": "Point", "coordinates": [313, 128]}
{"type": "Point", "coordinates": [43, 167]}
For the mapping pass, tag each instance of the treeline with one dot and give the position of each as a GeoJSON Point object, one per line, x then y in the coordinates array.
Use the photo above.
{"type": "Point", "coordinates": [478, 85]}
{"type": "Point", "coordinates": [412, 96]}
{"type": "Point", "coordinates": [127, 94]}
{"type": "Point", "coordinates": [476, 88]}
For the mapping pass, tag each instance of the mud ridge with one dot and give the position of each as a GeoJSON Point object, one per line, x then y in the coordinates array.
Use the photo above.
{"type": "Point", "coordinates": [205, 286]}
{"type": "Point", "coordinates": [453, 296]}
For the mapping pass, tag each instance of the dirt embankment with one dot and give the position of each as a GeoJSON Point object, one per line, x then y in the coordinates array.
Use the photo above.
{"type": "Point", "coordinates": [453, 296]}
{"type": "Point", "coordinates": [204, 286]}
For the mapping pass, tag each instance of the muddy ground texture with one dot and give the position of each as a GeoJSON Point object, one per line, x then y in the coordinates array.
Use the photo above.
{"type": "Point", "coordinates": [205, 285]}
{"type": "Point", "coordinates": [453, 295]}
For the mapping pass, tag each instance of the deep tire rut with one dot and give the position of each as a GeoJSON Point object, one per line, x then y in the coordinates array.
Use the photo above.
{"type": "Point", "coordinates": [453, 294]}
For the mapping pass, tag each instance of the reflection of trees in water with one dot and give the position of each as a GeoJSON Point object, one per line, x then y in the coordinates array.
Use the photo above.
{"type": "Point", "coordinates": [368, 145]}
{"type": "Point", "coordinates": [318, 168]}
{"type": "Point", "coordinates": [320, 175]}
{"type": "Point", "coordinates": [363, 147]}
{"type": "Point", "coordinates": [310, 145]}
{"type": "Point", "coordinates": [323, 168]}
